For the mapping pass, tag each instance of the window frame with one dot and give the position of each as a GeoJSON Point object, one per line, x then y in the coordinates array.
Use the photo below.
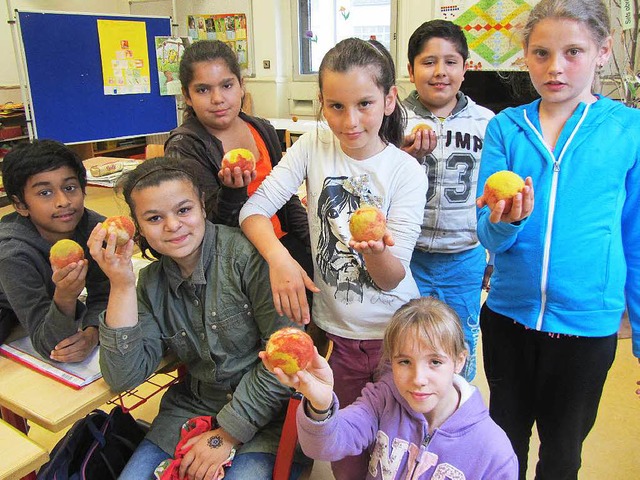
{"type": "Point", "coordinates": [299, 47]}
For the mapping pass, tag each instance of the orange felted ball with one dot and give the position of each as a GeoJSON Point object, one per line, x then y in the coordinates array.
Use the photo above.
{"type": "Point", "coordinates": [290, 349]}
{"type": "Point", "coordinates": [64, 252]}
{"type": "Point", "coordinates": [367, 223]}
{"type": "Point", "coordinates": [420, 126]}
{"type": "Point", "coordinates": [502, 185]}
{"type": "Point", "coordinates": [122, 226]}
{"type": "Point", "coordinates": [239, 157]}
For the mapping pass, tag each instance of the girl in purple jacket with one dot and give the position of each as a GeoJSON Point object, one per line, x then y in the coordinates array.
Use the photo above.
{"type": "Point", "coordinates": [421, 420]}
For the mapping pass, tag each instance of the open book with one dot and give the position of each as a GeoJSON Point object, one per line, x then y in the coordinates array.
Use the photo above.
{"type": "Point", "coordinates": [75, 375]}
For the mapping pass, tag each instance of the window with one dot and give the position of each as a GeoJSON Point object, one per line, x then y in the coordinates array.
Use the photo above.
{"type": "Point", "coordinates": [321, 24]}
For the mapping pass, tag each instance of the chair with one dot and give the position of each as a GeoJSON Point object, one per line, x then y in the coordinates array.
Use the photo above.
{"type": "Point", "coordinates": [247, 104]}
{"type": "Point", "coordinates": [153, 150]}
{"type": "Point", "coordinates": [288, 440]}
{"type": "Point", "coordinates": [289, 437]}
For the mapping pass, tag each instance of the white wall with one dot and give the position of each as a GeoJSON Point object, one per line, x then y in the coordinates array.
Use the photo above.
{"type": "Point", "coordinates": [273, 90]}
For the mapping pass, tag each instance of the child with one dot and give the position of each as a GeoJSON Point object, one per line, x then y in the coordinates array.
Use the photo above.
{"type": "Point", "coordinates": [207, 299]}
{"type": "Point", "coordinates": [564, 268]}
{"type": "Point", "coordinates": [421, 419]}
{"type": "Point", "coordinates": [213, 90]}
{"type": "Point", "coordinates": [354, 163]}
{"type": "Point", "coordinates": [448, 262]}
{"type": "Point", "coordinates": [45, 182]}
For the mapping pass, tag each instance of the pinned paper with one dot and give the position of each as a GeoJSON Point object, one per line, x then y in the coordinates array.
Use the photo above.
{"type": "Point", "coordinates": [627, 12]}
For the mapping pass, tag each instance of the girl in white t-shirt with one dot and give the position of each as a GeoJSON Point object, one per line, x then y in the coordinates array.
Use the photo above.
{"type": "Point", "coordinates": [357, 285]}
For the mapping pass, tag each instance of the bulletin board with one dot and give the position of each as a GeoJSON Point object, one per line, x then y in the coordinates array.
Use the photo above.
{"type": "Point", "coordinates": [230, 28]}
{"type": "Point", "coordinates": [65, 80]}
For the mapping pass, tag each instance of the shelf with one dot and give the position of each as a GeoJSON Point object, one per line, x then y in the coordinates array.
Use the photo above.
{"type": "Point", "coordinates": [118, 149]}
{"type": "Point", "coordinates": [13, 139]}
{"type": "Point", "coordinates": [91, 150]}
{"type": "Point", "coordinates": [13, 126]}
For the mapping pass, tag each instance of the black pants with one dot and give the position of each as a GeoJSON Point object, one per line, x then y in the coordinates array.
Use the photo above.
{"type": "Point", "coordinates": [554, 381]}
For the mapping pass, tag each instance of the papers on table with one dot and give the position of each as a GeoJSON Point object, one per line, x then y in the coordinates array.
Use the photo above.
{"type": "Point", "coordinates": [75, 375]}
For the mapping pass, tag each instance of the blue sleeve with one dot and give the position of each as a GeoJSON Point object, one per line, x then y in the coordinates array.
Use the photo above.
{"type": "Point", "coordinates": [495, 237]}
{"type": "Point", "coordinates": [631, 239]}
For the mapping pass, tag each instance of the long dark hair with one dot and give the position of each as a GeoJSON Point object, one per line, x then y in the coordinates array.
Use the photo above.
{"type": "Point", "coordinates": [355, 52]}
{"type": "Point", "coordinates": [205, 51]}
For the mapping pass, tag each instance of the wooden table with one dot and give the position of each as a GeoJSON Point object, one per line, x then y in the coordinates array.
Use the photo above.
{"type": "Point", "coordinates": [51, 404]}
{"type": "Point", "coordinates": [26, 394]}
{"type": "Point", "coordinates": [20, 454]}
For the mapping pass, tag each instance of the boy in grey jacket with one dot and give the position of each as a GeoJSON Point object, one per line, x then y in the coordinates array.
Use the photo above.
{"type": "Point", "coordinates": [45, 182]}
{"type": "Point", "coordinates": [448, 262]}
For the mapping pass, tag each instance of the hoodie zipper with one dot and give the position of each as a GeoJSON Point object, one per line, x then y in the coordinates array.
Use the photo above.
{"type": "Point", "coordinates": [438, 175]}
{"type": "Point", "coordinates": [552, 206]}
{"type": "Point", "coordinates": [425, 444]}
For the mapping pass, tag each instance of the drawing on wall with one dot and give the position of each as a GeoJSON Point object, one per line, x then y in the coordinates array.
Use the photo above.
{"type": "Point", "coordinates": [124, 57]}
{"type": "Point", "coordinates": [492, 28]}
{"type": "Point", "coordinates": [230, 28]}
{"type": "Point", "coordinates": [169, 51]}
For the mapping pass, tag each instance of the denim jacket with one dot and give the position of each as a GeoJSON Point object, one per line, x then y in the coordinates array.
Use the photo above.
{"type": "Point", "coordinates": [215, 322]}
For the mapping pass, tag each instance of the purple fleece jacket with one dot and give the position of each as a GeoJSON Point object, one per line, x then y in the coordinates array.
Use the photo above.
{"type": "Point", "coordinates": [468, 445]}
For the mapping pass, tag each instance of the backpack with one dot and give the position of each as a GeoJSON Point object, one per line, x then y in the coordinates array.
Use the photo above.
{"type": "Point", "coordinates": [97, 447]}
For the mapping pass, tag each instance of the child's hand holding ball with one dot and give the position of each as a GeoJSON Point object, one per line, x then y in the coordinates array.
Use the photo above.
{"type": "Point", "coordinates": [500, 191]}
{"type": "Point", "coordinates": [122, 226]}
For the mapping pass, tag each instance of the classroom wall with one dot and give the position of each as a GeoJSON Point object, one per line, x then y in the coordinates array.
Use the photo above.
{"type": "Point", "coordinates": [274, 92]}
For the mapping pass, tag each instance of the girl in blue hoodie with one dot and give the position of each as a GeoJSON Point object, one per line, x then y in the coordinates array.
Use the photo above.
{"type": "Point", "coordinates": [421, 420]}
{"type": "Point", "coordinates": [564, 267]}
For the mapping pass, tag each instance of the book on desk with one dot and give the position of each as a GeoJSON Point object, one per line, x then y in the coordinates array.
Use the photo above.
{"type": "Point", "coordinates": [108, 177]}
{"type": "Point", "coordinates": [75, 375]}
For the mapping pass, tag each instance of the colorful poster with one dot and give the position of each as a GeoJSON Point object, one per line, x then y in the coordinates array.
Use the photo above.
{"type": "Point", "coordinates": [493, 29]}
{"type": "Point", "coordinates": [169, 51]}
{"type": "Point", "coordinates": [125, 57]}
{"type": "Point", "coordinates": [230, 28]}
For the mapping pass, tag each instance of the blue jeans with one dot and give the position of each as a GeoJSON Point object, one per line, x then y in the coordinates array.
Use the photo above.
{"type": "Point", "coordinates": [143, 462]}
{"type": "Point", "coordinates": [255, 465]}
{"type": "Point", "coordinates": [456, 279]}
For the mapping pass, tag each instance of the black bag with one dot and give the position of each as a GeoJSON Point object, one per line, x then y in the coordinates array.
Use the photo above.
{"type": "Point", "coordinates": [8, 321]}
{"type": "Point", "coordinates": [97, 447]}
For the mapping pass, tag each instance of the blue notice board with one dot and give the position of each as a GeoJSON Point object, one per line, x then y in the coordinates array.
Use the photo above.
{"type": "Point", "coordinates": [64, 70]}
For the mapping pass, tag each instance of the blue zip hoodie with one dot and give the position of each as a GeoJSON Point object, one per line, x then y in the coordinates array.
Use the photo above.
{"type": "Point", "coordinates": [568, 266]}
